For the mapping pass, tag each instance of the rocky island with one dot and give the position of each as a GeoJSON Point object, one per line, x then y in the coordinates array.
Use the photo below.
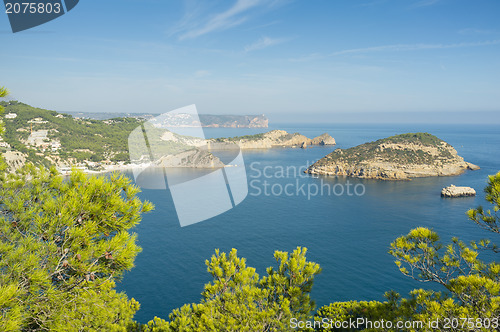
{"type": "Point", "coordinates": [174, 150]}
{"type": "Point", "coordinates": [49, 138]}
{"type": "Point", "coordinates": [399, 157]}
{"type": "Point", "coordinates": [273, 138]}
{"type": "Point", "coordinates": [454, 191]}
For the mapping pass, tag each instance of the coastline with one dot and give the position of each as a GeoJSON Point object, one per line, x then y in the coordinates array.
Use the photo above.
{"type": "Point", "coordinates": [65, 171]}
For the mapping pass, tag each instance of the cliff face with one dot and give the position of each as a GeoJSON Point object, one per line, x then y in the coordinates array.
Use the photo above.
{"type": "Point", "coordinates": [174, 150]}
{"type": "Point", "coordinates": [195, 158]}
{"type": "Point", "coordinates": [274, 138]}
{"type": "Point", "coordinates": [398, 157]}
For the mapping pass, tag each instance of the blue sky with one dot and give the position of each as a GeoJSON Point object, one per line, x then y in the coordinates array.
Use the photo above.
{"type": "Point", "coordinates": [288, 59]}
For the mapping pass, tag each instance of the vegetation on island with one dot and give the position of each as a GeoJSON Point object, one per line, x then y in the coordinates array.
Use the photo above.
{"type": "Point", "coordinates": [65, 243]}
{"type": "Point", "coordinates": [255, 137]}
{"type": "Point", "coordinates": [372, 151]}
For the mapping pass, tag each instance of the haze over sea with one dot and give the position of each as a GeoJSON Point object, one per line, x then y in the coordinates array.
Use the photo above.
{"type": "Point", "coordinates": [349, 236]}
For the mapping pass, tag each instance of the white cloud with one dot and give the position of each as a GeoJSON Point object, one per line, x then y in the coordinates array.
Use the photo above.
{"type": "Point", "coordinates": [414, 47]}
{"type": "Point", "coordinates": [224, 20]}
{"type": "Point", "coordinates": [263, 43]}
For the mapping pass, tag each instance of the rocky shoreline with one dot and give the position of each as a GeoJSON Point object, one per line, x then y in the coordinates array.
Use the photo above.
{"type": "Point", "coordinates": [399, 157]}
{"type": "Point", "coordinates": [192, 152]}
{"type": "Point", "coordinates": [271, 139]}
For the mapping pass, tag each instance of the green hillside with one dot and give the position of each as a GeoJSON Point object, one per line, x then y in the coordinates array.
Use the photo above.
{"type": "Point", "coordinates": [80, 139]}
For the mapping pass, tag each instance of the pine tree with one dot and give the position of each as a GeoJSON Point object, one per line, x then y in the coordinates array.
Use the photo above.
{"type": "Point", "coordinates": [63, 244]}
{"type": "Point", "coordinates": [238, 300]}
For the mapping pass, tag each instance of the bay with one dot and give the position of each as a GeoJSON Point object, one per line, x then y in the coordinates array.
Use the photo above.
{"type": "Point", "coordinates": [348, 235]}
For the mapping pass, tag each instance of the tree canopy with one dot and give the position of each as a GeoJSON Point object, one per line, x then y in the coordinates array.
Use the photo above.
{"type": "Point", "coordinates": [238, 300]}
{"type": "Point", "coordinates": [63, 244]}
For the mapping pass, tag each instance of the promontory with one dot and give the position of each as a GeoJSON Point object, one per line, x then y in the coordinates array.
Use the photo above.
{"type": "Point", "coordinates": [273, 138]}
{"type": "Point", "coordinates": [399, 157]}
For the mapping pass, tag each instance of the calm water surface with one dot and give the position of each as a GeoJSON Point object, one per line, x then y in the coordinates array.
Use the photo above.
{"type": "Point", "coordinates": [349, 236]}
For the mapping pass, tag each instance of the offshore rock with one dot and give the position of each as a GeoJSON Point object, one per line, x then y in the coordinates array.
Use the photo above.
{"type": "Point", "coordinates": [453, 191]}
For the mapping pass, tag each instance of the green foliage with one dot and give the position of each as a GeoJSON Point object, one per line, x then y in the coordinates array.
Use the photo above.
{"type": "Point", "coordinates": [338, 313]}
{"type": "Point", "coordinates": [255, 137]}
{"type": "Point", "coordinates": [488, 219]}
{"type": "Point", "coordinates": [82, 139]}
{"type": "Point", "coordinates": [423, 138]}
{"type": "Point", "coordinates": [473, 285]}
{"type": "Point", "coordinates": [63, 244]}
{"type": "Point", "coordinates": [3, 93]}
{"type": "Point", "coordinates": [374, 151]}
{"type": "Point", "coordinates": [238, 300]}
{"type": "Point", "coordinates": [472, 296]}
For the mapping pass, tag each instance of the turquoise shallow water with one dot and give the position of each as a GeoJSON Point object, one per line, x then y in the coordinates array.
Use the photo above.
{"type": "Point", "coordinates": [349, 236]}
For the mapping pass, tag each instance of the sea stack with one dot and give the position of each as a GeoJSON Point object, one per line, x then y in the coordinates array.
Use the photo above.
{"type": "Point", "coordinates": [453, 191]}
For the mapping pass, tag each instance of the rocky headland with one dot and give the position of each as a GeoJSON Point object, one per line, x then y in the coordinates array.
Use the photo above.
{"type": "Point", "coordinates": [271, 139]}
{"type": "Point", "coordinates": [399, 157]}
{"type": "Point", "coordinates": [174, 150]}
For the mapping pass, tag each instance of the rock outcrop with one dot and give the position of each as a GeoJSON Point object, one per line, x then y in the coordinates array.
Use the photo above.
{"type": "Point", "coordinates": [453, 191]}
{"type": "Point", "coordinates": [399, 157]}
{"type": "Point", "coordinates": [195, 158]}
{"type": "Point", "coordinates": [174, 150]}
{"type": "Point", "coordinates": [324, 139]}
{"type": "Point", "coordinates": [14, 159]}
{"type": "Point", "coordinates": [273, 138]}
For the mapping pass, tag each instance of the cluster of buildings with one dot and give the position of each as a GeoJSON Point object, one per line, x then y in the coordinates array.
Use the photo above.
{"type": "Point", "coordinates": [38, 138]}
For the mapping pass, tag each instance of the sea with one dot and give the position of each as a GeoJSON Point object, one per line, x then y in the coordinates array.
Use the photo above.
{"type": "Point", "coordinates": [348, 231]}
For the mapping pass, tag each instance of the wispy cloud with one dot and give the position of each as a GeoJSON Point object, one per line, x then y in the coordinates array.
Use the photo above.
{"type": "Point", "coordinates": [263, 25]}
{"type": "Point", "coordinates": [221, 21]}
{"type": "Point", "coordinates": [424, 3]}
{"type": "Point", "coordinates": [414, 47]}
{"type": "Point", "coordinates": [262, 43]}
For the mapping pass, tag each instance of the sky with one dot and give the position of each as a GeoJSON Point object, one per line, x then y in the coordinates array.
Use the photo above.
{"type": "Point", "coordinates": [292, 60]}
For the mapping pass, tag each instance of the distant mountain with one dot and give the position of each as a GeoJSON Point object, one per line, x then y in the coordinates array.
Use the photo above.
{"type": "Point", "coordinates": [186, 120]}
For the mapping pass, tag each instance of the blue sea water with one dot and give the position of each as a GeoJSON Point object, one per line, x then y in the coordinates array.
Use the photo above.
{"type": "Point", "coordinates": [348, 235]}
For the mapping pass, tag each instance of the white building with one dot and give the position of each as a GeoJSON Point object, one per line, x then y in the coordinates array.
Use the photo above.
{"type": "Point", "coordinates": [37, 120]}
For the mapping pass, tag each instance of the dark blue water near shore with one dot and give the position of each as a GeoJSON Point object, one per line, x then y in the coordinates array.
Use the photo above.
{"type": "Point", "coordinates": [348, 235]}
